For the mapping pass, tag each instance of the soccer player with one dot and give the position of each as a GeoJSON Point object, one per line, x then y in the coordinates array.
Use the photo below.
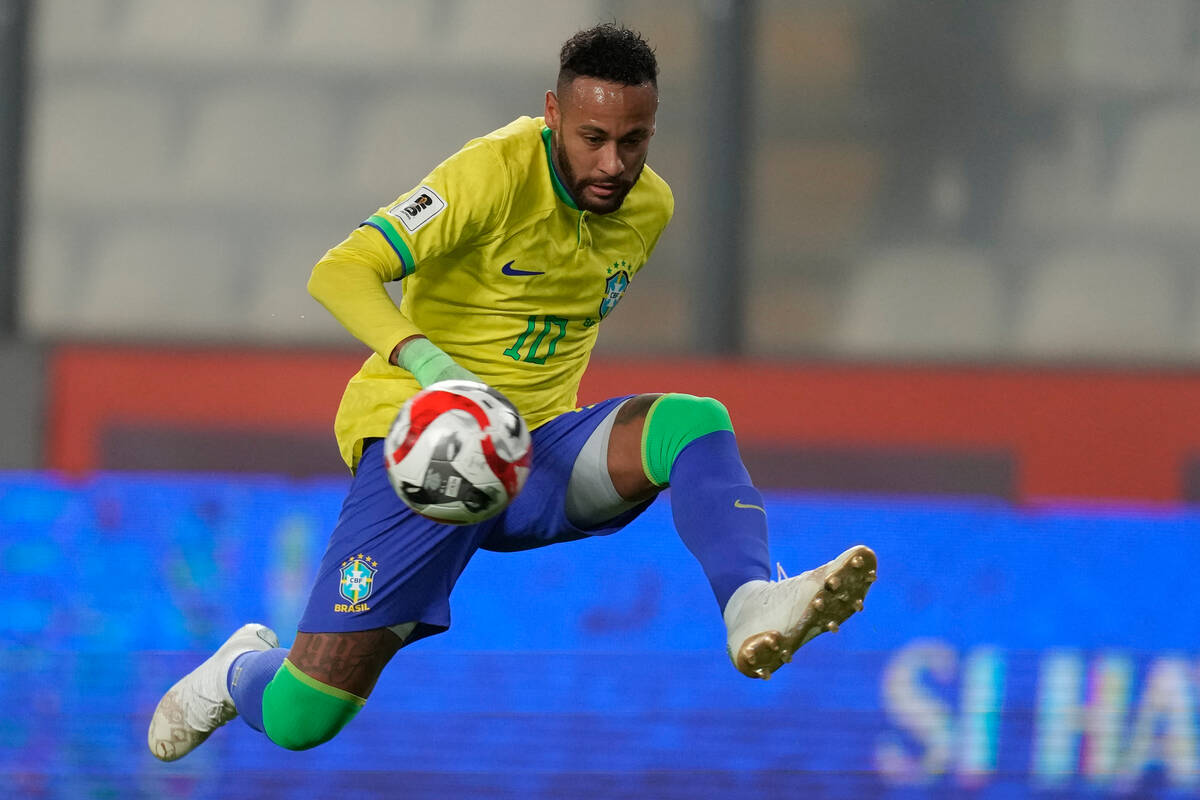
{"type": "Point", "coordinates": [513, 251]}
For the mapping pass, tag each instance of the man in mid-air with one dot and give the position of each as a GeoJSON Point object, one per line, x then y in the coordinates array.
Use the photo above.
{"type": "Point", "coordinates": [513, 252]}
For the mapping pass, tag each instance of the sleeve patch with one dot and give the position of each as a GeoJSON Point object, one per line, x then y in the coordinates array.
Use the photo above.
{"type": "Point", "coordinates": [419, 208]}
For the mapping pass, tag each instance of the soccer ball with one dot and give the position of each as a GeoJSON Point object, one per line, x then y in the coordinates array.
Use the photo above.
{"type": "Point", "coordinates": [458, 452]}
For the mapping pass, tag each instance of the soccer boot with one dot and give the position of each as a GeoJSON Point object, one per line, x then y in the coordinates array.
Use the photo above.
{"type": "Point", "coordinates": [767, 621]}
{"type": "Point", "coordinates": [200, 703]}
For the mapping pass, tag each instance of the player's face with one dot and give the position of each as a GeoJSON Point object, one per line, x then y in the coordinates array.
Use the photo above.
{"type": "Point", "coordinates": [602, 132]}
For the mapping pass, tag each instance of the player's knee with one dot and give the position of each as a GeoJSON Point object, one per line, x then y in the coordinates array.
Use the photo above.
{"type": "Point", "coordinates": [674, 422]}
{"type": "Point", "coordinates": [707, 414]}
{"type": "Point", "coordinates": [300, 712]}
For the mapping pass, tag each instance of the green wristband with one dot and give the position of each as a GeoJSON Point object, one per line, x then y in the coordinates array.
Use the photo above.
{"type": "Point", "coordinates": [429, 363]}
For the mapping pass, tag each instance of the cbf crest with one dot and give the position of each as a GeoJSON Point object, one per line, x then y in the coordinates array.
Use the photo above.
{"type": "Point", "coordinates": [358, 578]}
{"type": "Point", "coordinates": [614, 287]}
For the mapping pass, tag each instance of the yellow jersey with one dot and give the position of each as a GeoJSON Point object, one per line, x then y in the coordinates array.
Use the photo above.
{"type": "Point", "coordinates": [501, 270]}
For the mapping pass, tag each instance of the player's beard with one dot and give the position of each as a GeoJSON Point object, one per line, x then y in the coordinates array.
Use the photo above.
{"type": "Point", "coordinates": [575, 185]}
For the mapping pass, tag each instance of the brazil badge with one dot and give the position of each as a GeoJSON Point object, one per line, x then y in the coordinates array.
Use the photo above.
{"type": "Point", "coordinates": [614, 287]}
{"type": "Point", "coordinates": [358, 578]}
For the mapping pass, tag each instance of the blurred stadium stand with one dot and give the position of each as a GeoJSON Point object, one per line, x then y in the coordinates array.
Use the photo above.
{"type": "Point", "coordinates": [1013, 129]}
{"type": "Point", "coordinates": [932, 302]}
{"type": "Point", "coordinates": [1093, 301]}
{"type": "Point", "coordinates": [1157, 176]}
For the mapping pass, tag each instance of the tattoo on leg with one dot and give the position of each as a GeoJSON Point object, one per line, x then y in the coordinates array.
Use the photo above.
{"type": "Point", "coordinates": [634, 409]}
{"type": "Point", "coordinates": [351, 662]}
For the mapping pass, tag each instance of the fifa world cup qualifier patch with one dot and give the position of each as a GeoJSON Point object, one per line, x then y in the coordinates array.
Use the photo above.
{"type": "Point", "coordinates": [418, 208]}
{"type": "Point", "coordinates": [357, 581]}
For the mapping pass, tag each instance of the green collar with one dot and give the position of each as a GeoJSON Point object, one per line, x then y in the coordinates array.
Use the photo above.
{"type": "Point", "coordinates": [559, 189]}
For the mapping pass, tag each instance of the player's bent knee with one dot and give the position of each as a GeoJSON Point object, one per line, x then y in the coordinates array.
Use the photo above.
{"type": "Point", "coordinates": [300, 712]}
{"type": "Point", "coordinates": [674, 422]}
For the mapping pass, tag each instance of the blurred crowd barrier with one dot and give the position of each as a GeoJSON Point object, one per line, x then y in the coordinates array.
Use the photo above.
{"type": "Point", "coordinates": [982, 181]}
{"type": "Point", "coordinates": [1018, 434]}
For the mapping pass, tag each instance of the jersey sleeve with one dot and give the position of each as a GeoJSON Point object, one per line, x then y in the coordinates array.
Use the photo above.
{"type": "Point", "coordinates": [349, 282]}
{"type": "Point", "coordinates": [458, 203]}
{"type": "Point", "coordinates": [462, 201]}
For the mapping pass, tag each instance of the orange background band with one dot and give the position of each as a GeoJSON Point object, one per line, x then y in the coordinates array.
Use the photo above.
{"type": "Point", "coordinates": [1081, 433]}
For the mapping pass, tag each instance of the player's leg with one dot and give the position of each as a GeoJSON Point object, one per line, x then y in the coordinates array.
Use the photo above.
{"type": "Point", "coordinates": [199, 703]}
{"type": "Point", "coordinates": [563, 500]}
{"type": "Point", "coordinates": [384, 582]}
{"type": "Point", "coordinates": [299, 699]}
{"type": "Point", "coordinates": [305, 697]}
{"type": "Point", "coordinates": [687, 443]}
{"type": "Point", "coordinates": [384, 564]}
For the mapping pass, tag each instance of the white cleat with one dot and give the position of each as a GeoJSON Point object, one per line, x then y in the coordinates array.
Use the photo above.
{"type": "Point", "coordinates": [200, 703]}
{"type": "Point", "coordinates": [767, 621]}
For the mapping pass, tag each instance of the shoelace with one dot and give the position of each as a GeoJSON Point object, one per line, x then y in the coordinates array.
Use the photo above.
{"type": "Point", "coordinates": [214, 711]}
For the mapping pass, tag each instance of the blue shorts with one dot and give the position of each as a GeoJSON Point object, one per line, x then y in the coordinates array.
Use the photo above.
{"type": "Point", "coordinates": [386, 565]}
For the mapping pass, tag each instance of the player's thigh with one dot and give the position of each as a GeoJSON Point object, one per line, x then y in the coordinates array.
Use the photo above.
{"type": "Point", "coordinates": [538, 516]}
{"type": "Point", "coordinates": [384, 567]}
{"type": "Point", "coordinates": [350, 661]}
{"type": "Point", "coordinates": [625, 465]}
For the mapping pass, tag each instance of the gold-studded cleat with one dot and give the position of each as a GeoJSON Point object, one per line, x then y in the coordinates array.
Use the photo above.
{"type": "Point", "coordinates": [767, 621]}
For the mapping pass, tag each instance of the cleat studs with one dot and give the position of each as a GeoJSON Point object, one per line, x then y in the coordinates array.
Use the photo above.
{"type": "Point", "coordinates": [858, 605]}
{"type": "Point", "coordinates": [786, 656]}
{"type": "Point", "coordinates": [844, 597]}
{"type": "Point", "coordinates": [832, 583]}
{"type": "Point", "coordinates": [856, 562]}
{"type": "Point", "coordinates": [818, 603]}
{"type": "Point", "coordinates": [871, 576]}
{"type": "Point", "coordinates": [832, 627]}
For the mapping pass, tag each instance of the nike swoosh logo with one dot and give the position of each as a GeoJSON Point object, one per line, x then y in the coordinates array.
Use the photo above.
{"type": "Point", "coordinates": [509, 269]}
{"type": "Point", "coordinates": [740, 504]}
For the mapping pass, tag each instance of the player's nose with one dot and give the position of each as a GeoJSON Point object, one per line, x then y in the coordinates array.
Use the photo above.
{"type": "Point", "coordinates": [610, 160]}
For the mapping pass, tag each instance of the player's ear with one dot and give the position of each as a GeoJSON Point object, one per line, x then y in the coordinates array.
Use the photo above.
{"type": "Point", "coordinates": [552, 118]}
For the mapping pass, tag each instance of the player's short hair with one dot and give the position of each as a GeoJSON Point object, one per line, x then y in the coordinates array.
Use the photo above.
{"type": "Point", "coordinates": [608, 52]}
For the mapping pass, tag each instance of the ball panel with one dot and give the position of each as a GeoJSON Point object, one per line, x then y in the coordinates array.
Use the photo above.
{"type": "Point", "coordinates": [458, 452]}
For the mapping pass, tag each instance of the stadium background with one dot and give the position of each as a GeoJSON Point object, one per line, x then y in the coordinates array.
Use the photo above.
{"type": "Point", "coordinates": [938, 258]}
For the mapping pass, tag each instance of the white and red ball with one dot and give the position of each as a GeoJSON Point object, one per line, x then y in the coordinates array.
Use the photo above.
{"type": "Point", "coordinates": [458, 452]}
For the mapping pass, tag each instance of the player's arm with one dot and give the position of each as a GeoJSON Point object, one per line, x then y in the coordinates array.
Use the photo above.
{"type": "Point", "coordinates": [461, 199]}
{"type": "Point", "coordinates": [349, 281]}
